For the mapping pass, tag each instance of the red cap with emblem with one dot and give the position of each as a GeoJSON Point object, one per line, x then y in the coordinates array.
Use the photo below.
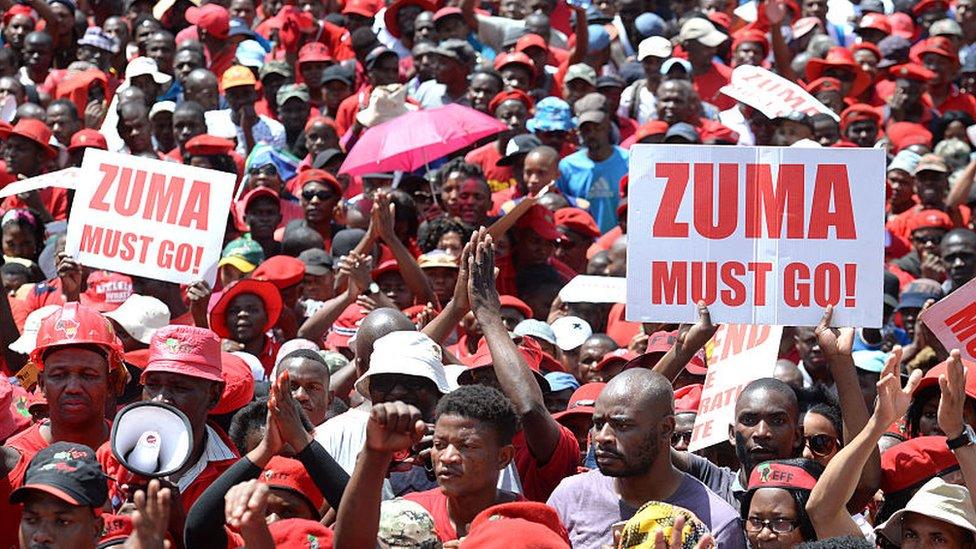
{"type": "Point", "coordinates": [185, 350]}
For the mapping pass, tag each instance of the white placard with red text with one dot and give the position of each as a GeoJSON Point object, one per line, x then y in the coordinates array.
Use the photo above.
{"type": "Point", "coordinates": [149, 218]}
{"type": "Point", "coordinates": [763, 235]}
{"type": "Point", "coordinates": [953, 320]}
{"type": "Point", "coordinates": [739, 354]}
{"type": "Point", "coordinates": [771, 94]}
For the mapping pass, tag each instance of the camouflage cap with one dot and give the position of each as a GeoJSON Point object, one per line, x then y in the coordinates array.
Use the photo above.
{"type": "Point", "coordinates": [404, 523]}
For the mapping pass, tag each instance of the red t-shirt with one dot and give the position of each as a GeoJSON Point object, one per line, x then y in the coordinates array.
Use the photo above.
{"type": "Point", "coordinates": [539, 480]}
{"type": "Point", "coordinates": [346, 113]}
{"type": "Point", "coordinates": [899, 225]}
{"type": "Point", "coordinates": [958, 101]}
{"type": "Point", "coordinates": [435, 501]}
{"type": "Point", "coordinates": [708, 85]}
{"type": "Point", "coordinates": [487, 157]}
{"type": "Point", "coordinates": [618, 327]}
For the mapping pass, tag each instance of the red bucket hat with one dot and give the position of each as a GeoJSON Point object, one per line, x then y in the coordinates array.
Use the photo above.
{"type": "Point", "coordinates": [540, 219]}
{"type": "Point", "coordinates": [281, 270]}
{"type": "Point", "coordinates": [390, 17]}
{"type": "Point", "coordinates": [36, 131]}
{"type": "Point", "coordinates": [265, 290]}
{"type": "Point", "coordinates": [185, 350]}
{"type": "Point", "coordinates": [838, 57]}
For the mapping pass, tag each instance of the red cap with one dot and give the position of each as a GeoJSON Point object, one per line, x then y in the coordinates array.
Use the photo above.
{"type": "Point", "coordinates": [939, 45]}
{"type": "Point", "coordinates": [838, 57]}
{"type": "Point", "coordinates": [910, 71]}
{"type": "Point", "coordinates": [212, 18]}
{"type": "Point", "coordinates": [750, 35]}
{"type": "Point", "coordinates": [266, 291]}
{"type": "Point", "coordinates": [930, 219]}
{"type": "Point", "coordinates": [106, 291]}
{"type": "Point", "coordinates": [534, 524]}
{"type": "Point", "coordinates": [530, 40]}
{"type": "Point", "coordinates": [774, 474]}
{"type": "Point", "coordinates": [314, 51]}
{"type": "Point", "coordinates": [258, 192]}
{"type": "Point", "coordinates": [649, 128]}
{"type": "Point", "coordinates": [115, 530]}
{"type": "Point", "coordinates": [856, 113]}
{"type": "Point", "coordinates": [281, 270]}
{"type": "Point", "coordinates": [364, 8]}
{"type": "Point", "coordinates": [238, 385]}
{"type": "Point", "coordinates": [619, 355]}
{"type": "Point", "coordinates": [516, 94]}
{"type": "Point", "coordinates": [18, 9]}
{"type": "Point", "coordinates": [344, 328]}
{"type": "Point", "coordinates": [867, 46]}
{"type": "Point", "coordinates": [902, 25]}
{"type": "Point", "coordinates": [290, 474]}
{"type": "Point", "coordinates": [390, 17]}
{"type": "Point", "coordinates": [517, 58]}
{"type": "Point", "coordinates": [296, 533]}
{"type": "Point", "coordinates": [88, 137]}
{"type": "Point", "coordinates": [321, 176]}
{"type": "Point", "coordinates": [447, 11]}
{"type": "Point", "coordinates": [386, 266]}
{"type": "Point", "coordinates": [906, 134]}
{"type": "Point", "coordinates": [912, 463]}
{"type": "Point", "coordinates": [687, 398]}
{"type": "Point", "coordinates": [876, 21]}
{"type": "Point", "coordinates": [660, 343]}
{"type": "Point", "coordinates": [825, 83]}
{"type": "Point", "coordinates": [926, 5]}
{"type": "Point", "coordinates": [932, 376]}
{"type": "Point", "coordinates": [206, 145]}
{"type": "Point", "coordinates": [578, 221]}
{"type": "Point", "coordinates": [533, 354]}
{"type": "Point", "coordinates": [513, 302]}
{"type": "Point", "coordinates": [36, 131]}
{"type": "Point", "coordinates": [539, 219]}
{"type": "Point", "coordinates": [185, 350]}
{"type": "Point", "coordinates": [582, 401]}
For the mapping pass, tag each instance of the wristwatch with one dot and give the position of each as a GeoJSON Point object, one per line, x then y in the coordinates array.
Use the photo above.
{"type": "Point", "coordinates": [967, 437]}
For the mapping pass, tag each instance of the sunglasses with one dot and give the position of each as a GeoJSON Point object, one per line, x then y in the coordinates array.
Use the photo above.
{"type": "Point", "coordinates": [321, 195]}
{"type": "Point", "coordinates": [777, 525]}
{"type": "Point", "coordinates": [677, 438]}
{"type": "Point", "coordinates": [821, 444]}
{"type": "Point", "coordinates": [267, 169]}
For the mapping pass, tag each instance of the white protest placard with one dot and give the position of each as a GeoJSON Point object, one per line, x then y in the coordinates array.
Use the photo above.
{"type": "Point", "coordinates": [953, 320]}
{"type": "Point", "coordinates": [762, 235]}
{"type": "Point", "coordinates": [740, 353]}
{"type": "Point", "coordinates": [149, 218]}
{"type": "Point", "coordinates": [771, 94]}
{"type": "Point", "coordinates": [64, 179]}
{"type": "Point", "coordinates": [594, 289]}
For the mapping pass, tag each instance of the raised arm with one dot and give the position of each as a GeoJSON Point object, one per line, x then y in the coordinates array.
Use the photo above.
{"type": "Point", "coordinates": [514, 375]}
{"type": "Point", "coordinates": [413, 276]}
{"type": "Point", "coordinates": [691, 339]}
{"type": "Point", "coordinates": [960, 191]}
{"type": "Point", "coordinates": [775, 13]}
{"type": "Point", "coordinates": [951, 405]}
{"type": "Point", "coordinates": [356, 269]}
{"type": "Point", "coordinates": [836, 344]}
{"type": "Point", "coordinates": [578, 51]}
{"type": "Point", "coordinates": [445, 322]}
{"type": "Point", "coordinates": [826, 507]}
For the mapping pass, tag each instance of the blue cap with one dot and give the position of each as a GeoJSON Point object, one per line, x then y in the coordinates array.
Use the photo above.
{"type": "Point", "coordinates": [263, 154]}
{"type": "Point", "coordinates": [599, 38]}
{"type": "Point", "coordinates": [870, 361]}
{"type": "Point", "coordinates": [251, 53]}
{"type": "Point", "coordinates": [552, 114]}
{"type": "Point", "coordinates": [559, 381]}
{"type": "Point", "coordinates": [649, 24]}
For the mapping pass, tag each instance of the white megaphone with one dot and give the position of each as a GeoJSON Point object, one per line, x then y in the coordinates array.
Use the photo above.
{"type": "Point", "coordinates": [152, 439]}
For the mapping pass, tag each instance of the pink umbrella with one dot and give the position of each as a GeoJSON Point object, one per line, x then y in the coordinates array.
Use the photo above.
{"type": "Point", "coordinates": [417, 138]}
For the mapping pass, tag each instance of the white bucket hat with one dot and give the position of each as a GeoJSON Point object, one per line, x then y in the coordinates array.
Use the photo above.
{"type": "Point", "coordinates": [949, 503]}
{"type": "Point", "coordinates": [28, 338]}
{"type": "Point", "coordinates": [406, 353]}
{"type": "Point", "coordinates": [140, 316]}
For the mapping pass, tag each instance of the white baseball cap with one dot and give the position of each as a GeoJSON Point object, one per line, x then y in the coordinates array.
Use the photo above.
{"type": "Point", "coordinates": [140, 316]}
{"type": "Point", "coordinates": [571, 332]}
{"type": "Point", "coordinates": [142, 66]}
{"type": "Point", "coordinates": [655, 46]}
{"type": "Point", "coordinates": [535, 328]}
{"type": "Point", "coordinates": [406, 353]}
{"type": "Point", "coordinates": [28, 338]}
{"type": "Point", "coordinates": [700, 29]}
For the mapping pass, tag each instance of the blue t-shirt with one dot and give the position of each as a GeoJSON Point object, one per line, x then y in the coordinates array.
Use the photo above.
{"type": "Point", "coordinates": [599, 183]}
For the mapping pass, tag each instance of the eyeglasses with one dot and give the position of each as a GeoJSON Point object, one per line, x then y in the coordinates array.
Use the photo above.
{"type": "Point", "coordinates": [821, 444]}
{"type": "Point", "coordinates": [267, 169]}
{"type": "Point", "coordinates": [777, 525]}
{"type": "Point", "coordinates": [322, 195]}
{"type": "Point", "coordinates": [677, 438]}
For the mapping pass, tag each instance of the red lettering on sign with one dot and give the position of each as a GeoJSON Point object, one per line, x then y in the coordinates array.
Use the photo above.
{"type": "Point", "coordinates": [128, 197]}
{"type": "Point", "coordinates": [763, 202]}
{"type": "Point", "coordinates": [98, 199]}
{"type": "Point", "coordinates": [735, 292]}
{"type": "Point", "coordinates": [962, 324]}
{"type": "Point", "coordinates": [832, 185]}
{"type": "Point", "coordinates": [668, 285]}
{"type": "Point", "coordinates": [195, 211]}
{"type": "Point", "coordinates": [728, 200]}
{"type": "Point", "coordinates": [163, 199]}
{"type": "Point", "coordinates": [665, 223]}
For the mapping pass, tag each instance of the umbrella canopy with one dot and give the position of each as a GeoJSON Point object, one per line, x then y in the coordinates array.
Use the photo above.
{"type": "Point", "coordinates": [416, 138]}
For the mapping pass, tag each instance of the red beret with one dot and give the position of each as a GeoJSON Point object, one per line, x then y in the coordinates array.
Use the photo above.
{"type": "Point", "coordinates": [926, 5]}
{"type": "Point", "coordinates": [869, 47]}
{"type": "Point", "coordinates": [513, 302]}
{"type": "Point", "coordinates": [906, 134]}
{"type": "Point", "coordinates": [88, 138]}
{"type": "Point", "coordinates": [390, 17]}
{"type": "Point", "coordinates": [517, 95]}
{"type": "Point", "coordinates": [530, 40]}
{"type": "Point", "coordinates": [295, 533]}
{"type": "Point", "coordinates": [913, 462]}
{"type": "Point", "coordinates": [282, 270]}
{"type": "Point", "coordinates": [856, 113]}
{"type": "Point", "coordinates": [288, 473]}
{"type": "Point", "coordinates": [206, 145]}
{"type": "Point", "coordinates": [516, 58]}
{"type": "Point", "coordinates": [578, 221]}
{"type": "Point", "coordinates": [319, 175]}
{"type": "Point", "coordinates": [750, 35]}
{"type": "Point", "coordinates": [541, 220]}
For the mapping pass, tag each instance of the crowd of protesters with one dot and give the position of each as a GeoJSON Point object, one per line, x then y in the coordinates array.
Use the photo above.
{"type": "Point", "coordinates": [384, 359]}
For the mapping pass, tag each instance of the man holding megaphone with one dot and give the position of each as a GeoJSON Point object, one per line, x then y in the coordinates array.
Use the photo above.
{"type": "Point", "coordinates": [183, 371]}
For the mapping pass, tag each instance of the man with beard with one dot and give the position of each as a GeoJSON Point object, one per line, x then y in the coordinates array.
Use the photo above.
{"type": "Point", "coordinates": [958, 251]}
{"type": "Point", "coordinates": [766, 426]}
{"type": "Point", "coordinates": [633, 422]}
